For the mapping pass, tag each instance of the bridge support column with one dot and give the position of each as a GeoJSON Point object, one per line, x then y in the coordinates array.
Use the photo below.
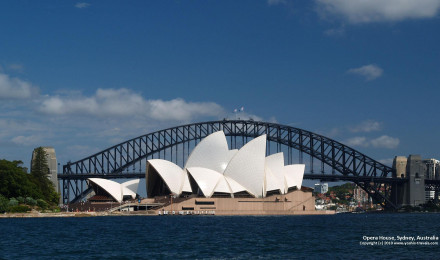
{"type": "Point", "coordinates": [399, 194]}
{"type": "Point", "coordinates": [411, 193]}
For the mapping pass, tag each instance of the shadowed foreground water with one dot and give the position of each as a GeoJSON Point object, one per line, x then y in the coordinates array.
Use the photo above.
{"type": "Point", "coordinates": [212, 237]}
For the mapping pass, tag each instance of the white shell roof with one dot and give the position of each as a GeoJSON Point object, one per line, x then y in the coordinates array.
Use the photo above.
{"type": "Point", "coordinates": [206, 179]}
{"type": "Point", "coordinates": [231, 153]}
{"type": "Point", "coordinates": [116, 190]}
{"type": "Point", "coordinates": [222, 186]}
{"type": "Point", "coordinates": [171, 174]}
{"type": "Point", "coordinates": [275, 166]}
{"type": "Point", "coordinates": [211, 153]}
{"type": "Point", "coordinates": [294, 174]}
{"type": "Point", "coordinates": [130, 186]}
{"type": "Point", "coordinates": [235, 186]}
{"type": "Point", "coordinates": [186, 186]}
{"type": "Point", "coordinates": [217, 169]}
{"type": "Point", "coordinates": [247, 166]}
{"type": "Point", "coordinates": [273, 183]}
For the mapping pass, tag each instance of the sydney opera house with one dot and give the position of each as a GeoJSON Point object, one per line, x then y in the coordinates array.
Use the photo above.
{"type": "Point", "coordinates": [217, 180]}
{"type": "Point", "coordinates": [230, 182]}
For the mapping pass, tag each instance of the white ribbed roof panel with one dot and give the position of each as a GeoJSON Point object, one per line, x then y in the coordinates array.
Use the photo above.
{"type": "Point", "coordinates": [186, 186]}
{"type": "Point", "coordinates": [235, 186]}
{"type": "Point", "coordinates": [170, 173]}
{"type": "Point", "coordinates": [273, 183]}
{"type": "Point", "coordinates": [111, 187]}
{"type": "Point", "coordinates": [206, 179]}
{"type": "Point", "coordinates": [131, 185]}
{"type": "Point", "coordinates": [294, 175]}
{"type": "Point", "coordinates": [247, 166]}
{"type": "Point", "coordinates": [275, 163]}
{"type": "Point", "coordinates": [231, 153]}
{"type": "Point", "coordinates": [222, 186]}
{"type": "Point", "coordinates": [211, 153]}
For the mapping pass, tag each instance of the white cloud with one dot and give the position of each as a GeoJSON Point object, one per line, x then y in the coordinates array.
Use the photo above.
{"type": "Point", "coordinates": [15, 88]}
{"type": "Point", "coordinates": [26, 140]}
{"type": "Point", "coordinates": [105, 102]}
{"type": "Point", "coordinates": [180, 110]}
{"type": "Point", "coordinates": [366, 126]}
{"type": "Point", "coordinates": [276, 2]}
{"type": "Point", "coordinates": [81, 5]}
{"type": "Point", "coordinates": [366, 11]}
{"type": "Point", "coordinates": [80, 151]}
{"type": "Point", "coordinates": [357, 141]}
{"type": "Point", "coordinates": [18, 125]}
{"type": "Point", "coordinates": [380, 142]}
{"type": "Point", "coordinates": [335, 31]}
{"type": "Point", "coordinates": [123, 102]}
{"type": "Point", "coordinates": [370, 72]}
{"type": "Point", "coordinates": [385, 142]}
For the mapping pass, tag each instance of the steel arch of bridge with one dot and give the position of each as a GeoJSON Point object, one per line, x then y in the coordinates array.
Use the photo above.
{"type": "Point", "coordinates": [374, 177]}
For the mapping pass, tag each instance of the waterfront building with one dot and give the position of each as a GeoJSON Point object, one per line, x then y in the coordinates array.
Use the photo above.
{"type": "Point", "coordinates": [429, 195]}
{"type": "Point", "coordinates": [361, 198]}
{"type": "Point", "coordinates": [321, 188]}
{"type": "Point", "coordinates": [432, 169]}
{"type": "Point", "coordinates": [230, 182]}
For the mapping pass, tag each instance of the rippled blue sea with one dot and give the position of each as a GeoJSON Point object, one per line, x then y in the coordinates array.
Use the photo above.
{"type": "Point", "coordinates": [215, 237]}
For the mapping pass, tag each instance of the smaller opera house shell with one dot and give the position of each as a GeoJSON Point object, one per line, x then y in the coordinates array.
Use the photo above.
{"type": "Point", "coordinates": [108, 190]}
{"type": "Point", "coordinates": [214, 171]}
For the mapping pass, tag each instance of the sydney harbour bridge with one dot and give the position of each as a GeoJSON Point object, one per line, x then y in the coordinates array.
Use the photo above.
{"type": "Point", "coordinates": [325, 159]}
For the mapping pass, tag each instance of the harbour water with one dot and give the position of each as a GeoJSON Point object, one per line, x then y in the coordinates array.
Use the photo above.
{"type": "Point", "coordinates": [214, 237]}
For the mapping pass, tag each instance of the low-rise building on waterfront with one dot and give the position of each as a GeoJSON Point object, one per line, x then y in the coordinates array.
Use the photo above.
{"type": "Point", "coordinates": [321, 187]}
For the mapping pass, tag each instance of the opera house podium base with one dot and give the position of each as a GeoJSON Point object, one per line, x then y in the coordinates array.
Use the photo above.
{"type": "Point", "coordinates": [296, 202]}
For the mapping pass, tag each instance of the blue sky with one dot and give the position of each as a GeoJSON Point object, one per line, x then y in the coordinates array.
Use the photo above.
{"type": "Point", "coordinates": [83, 76]}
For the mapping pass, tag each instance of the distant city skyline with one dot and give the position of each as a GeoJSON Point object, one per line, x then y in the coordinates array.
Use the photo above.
{"type": "Point", "coordinates": [81, 76]}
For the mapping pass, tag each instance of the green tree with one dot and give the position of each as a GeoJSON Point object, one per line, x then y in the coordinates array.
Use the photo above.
{"type": "Point", "coordinates": [40, 172]}
{"type": "Point", "coordinates": [15, 182]}
{"type": "Point", "coordinates": [42, 204]}
{"type": "Point", "coordinates": [4, 204]}
{"type": "Point", "coordinates": [19, 209]}
{"type": "Point", "coordinates": [20, 199]}
{"type": "Point", "coordinates": [40, 167]}
{"type": "Point", "coordinates": [12, 202]}
{"type": "Point", "coordinates": [30, 201]}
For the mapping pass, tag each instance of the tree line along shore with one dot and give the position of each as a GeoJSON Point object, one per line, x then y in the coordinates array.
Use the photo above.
{"type": "Point", "coordinates": [22, 191]}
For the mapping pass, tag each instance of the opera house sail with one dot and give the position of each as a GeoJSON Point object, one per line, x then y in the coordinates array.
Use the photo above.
{"type": "Point", "coordinates": [110, 190]}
